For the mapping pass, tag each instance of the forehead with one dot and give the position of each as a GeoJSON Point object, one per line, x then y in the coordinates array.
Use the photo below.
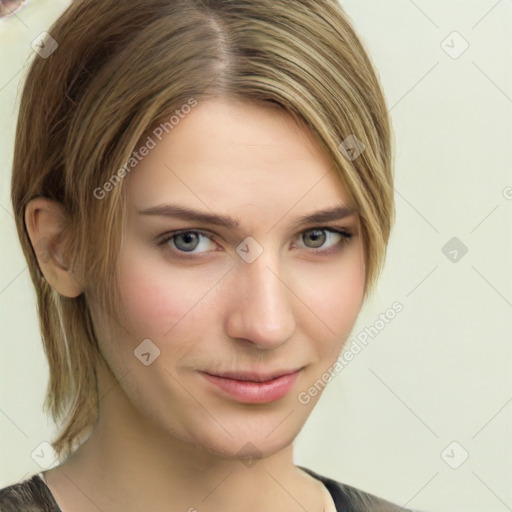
{"type": "Point", "coordinates": [231, 155]}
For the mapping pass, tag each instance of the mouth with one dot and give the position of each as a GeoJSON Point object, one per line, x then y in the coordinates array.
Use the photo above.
{"type": "Point", "coordinates": [251, 387]}
{"type": "Point", "coordinates": [254, 376]}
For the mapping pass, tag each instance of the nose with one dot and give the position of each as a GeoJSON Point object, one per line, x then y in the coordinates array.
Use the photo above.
{"type": "Point", "coordinates": [258, 304]}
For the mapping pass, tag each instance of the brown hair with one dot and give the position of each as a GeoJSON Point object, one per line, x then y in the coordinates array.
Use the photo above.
{"type": "Point", "coordinates": [122, 67]}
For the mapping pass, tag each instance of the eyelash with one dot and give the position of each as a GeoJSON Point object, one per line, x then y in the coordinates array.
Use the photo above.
{"type": "Point", "coordinates": [346, 237]}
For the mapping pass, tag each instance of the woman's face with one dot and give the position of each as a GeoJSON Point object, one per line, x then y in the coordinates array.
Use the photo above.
{"type": "Point", "coordinates": [262, 293]}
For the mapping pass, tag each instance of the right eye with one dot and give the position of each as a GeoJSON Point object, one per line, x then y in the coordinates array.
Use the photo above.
{"type": "Point", "coordinates": [187, 241]}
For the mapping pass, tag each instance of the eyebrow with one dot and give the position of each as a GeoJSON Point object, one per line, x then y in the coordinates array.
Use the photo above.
{"type": "Point", "coordinates": [181, 212]}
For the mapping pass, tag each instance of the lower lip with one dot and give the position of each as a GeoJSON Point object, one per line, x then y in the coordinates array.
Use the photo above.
{"type": "Point", "coordinates": [254, 392]}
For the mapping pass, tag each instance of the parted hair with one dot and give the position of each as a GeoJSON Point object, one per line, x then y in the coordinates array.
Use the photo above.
{"type": "Point", "coordinates": [120, 68]}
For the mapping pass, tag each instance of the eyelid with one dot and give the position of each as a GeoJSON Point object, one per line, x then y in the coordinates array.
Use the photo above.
{"type": "Point", "coordinates": [165, 237]}
{"type": "Point", "coordinates": [345, 232]}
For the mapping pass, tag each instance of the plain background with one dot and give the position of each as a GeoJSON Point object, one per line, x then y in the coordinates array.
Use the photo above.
{"type": "Point", "coordinates": [439, 372]}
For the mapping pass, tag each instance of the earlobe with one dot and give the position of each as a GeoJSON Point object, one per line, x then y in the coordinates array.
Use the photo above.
{"type": "Point", "coordinates": [45, 220]}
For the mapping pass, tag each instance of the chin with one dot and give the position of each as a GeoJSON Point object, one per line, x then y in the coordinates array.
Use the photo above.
{"type": "Point", "coordinates": [244, 444]}
{"type": "Point", "coordinates": [246, 451]}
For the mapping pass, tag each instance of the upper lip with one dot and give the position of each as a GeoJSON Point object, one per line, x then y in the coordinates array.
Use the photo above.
{"type": "Point", "coordinates": [253, 376]}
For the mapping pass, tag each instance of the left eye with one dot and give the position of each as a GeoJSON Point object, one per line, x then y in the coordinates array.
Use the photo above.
{"type": "Point", "coordinates": [316, 238]}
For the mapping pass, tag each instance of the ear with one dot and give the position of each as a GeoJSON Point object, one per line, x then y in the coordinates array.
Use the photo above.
{"type": "Point", "coordinates": [45, 220]}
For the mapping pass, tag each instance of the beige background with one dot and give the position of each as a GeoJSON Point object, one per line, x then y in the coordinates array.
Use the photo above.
{"type": "Point", "coordinates": [439, 372]}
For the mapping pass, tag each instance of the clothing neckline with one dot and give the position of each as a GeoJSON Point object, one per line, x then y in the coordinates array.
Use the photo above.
{"type": "Point", "coordinates": [327, 499]}
{"type": "Point", "coordinates": [41, 476]}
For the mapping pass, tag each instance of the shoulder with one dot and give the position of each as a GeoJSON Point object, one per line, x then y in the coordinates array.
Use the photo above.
{"type": "Point", "coordinates": [349, 499]}
{"type": "Point", "coordinates": [31, 495]}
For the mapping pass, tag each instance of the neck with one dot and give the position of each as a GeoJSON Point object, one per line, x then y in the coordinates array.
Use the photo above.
{"type": "Point", "coordinates": [128, 464]}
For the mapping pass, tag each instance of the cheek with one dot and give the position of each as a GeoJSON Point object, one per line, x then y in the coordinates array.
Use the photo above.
{"type": "Point", "coordinates": [158, 298]}
{"type": "Point", "coordinates": [154, 301]}
{"type": "Point", "coordinates": [334, 296]}
{"type": "Point", "coordinates": [344, 295]}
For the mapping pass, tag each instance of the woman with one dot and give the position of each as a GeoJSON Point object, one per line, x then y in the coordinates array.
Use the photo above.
{"type": "Point", "coordinates": [203, 192]}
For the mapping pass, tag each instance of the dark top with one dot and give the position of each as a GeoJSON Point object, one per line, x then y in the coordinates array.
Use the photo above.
{"type": "Point", "coordinates": [33, 495]}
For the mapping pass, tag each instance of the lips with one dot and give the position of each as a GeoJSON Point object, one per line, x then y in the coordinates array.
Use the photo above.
{"type": "Point", "coordinates": [253, 376]}
{"type": "Point", "coordinates": [243, 390]}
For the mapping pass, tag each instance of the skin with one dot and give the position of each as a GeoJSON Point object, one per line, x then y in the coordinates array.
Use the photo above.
{"type": "Point", "coordinates": [166, 438]}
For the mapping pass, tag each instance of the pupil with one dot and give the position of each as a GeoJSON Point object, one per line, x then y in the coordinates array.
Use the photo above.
{"type": "Point", "coordinates": [188, 237]}
{"type": "Point", "coordinates": [318, 237]}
